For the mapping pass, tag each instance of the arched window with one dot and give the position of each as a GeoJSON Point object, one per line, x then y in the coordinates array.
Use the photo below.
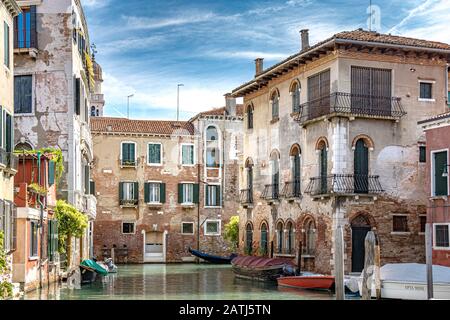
{"type": "Point", "coordinates": [212, 147]}
{"type": "Point", "coordinates": [264, 239]}
{"type": "Point", "coordinates": [309, 237]}
{"type": "Point", "coordinates": [280, 237]}
{"type": "Point", "coordinates": [323, 167]}
{"type": "Point", "coordinates": [295, 92]}
{"type": "Point", "coordinates": [93, 111]}
{"type": "Point", "coordinates": [275, 100]}
{"type": "Point", "coordinates": [249, 190]}
{"type": "Point", "coordinates": [249, 238]}
{"type": "Point", "coordinates": [250, 116]}
{"type": "Point", "coordinates": [23, 146]}
{"type": "Point", "coordinates": [275, 168]}
{"type": "Point", "coordinates": [290, 238]}
{"type": "Point", "coordinates": [361, 167]}
{"type": "Point", "coordinates": [296, 173]}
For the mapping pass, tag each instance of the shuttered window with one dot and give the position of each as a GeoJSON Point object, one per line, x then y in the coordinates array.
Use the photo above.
{"type": "Point", "coordinates": [319, 94]}
{"type": "Point", "coordinates": [155, 192]}
{"type": "Point", "coordinates": [128, 153]}
{"type": "Point", "coordinates": [250, 117]}
{"type": "Point", "coordinates": [187, 154]}
{"type": "Point", "coordinates": [51, 173]}
{"type": "Point", "coordinates": [295, 98]}
{"type": "Point", "coordinates": [371, 89]}
{"type": "Point", "coordinates": [6, 48]}
{"type": "Point", "coordinates": [154, 153]}
{"type": "Point", "coordinates": [92, 187]}
{"type": "Point", "coordinates": [77, 96]}
{"type": "Point", "coordinates": [23, 94]}
{"type": "Point", "coordinates": [52, 244]}
{"type": "Point", "coordinates": [25, 28]}
{"type": "Point", "coordinates": [440, 180]}
{"type": "Point", "coordinates": [188, 193]}
{"type": "Point", "coordinates": [275, 106]}
{"type": "Point", "coordinates": [128, 193]}
{"type": "Point", "coordinates": [212, 195]}
{"type": "Point", "coordinates": [9, 127]}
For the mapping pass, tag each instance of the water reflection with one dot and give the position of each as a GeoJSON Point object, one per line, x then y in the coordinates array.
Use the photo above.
{"type": "Point", "coordinates": [175, 282]}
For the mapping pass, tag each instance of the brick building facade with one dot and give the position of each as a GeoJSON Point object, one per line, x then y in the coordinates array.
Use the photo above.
{"type": "Point", "coordinates": [331, 141]}
{"type": "Point", "coordinates": [165, 186]}
{"type": "Point", "coordinates": [435, 155]}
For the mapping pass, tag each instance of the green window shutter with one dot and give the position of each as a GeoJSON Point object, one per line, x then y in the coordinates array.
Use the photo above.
{"type": "Point", "coordinates": [196, 193]}
{"type": "Point", "coordinates": [9, 133]}
{"type": "Point", "coordinates": [440, 182]}
{"type": "Point", "coordinates": [50, 240]}
{"type": "Point", "coordinates": [51, 173]}
{"type": "Point", "coordinates": [154, 153]}
{"type": "Point", "coordinates": [180, 193]}
{"type": "Point", "coordinates": [6, 44]}
{"type": "Point", "coordinates": [125, 152]}
{"type": "Point", "coordinates": [207, 196]}
{"type": "Point", "coordinates": [147, 192]}
{"type": "Point", "coordinates": [136, 191]}
{"type": "Point", "coordinates": [77, 96]}
{"type": "Point", "coordinates": [162, 192]}
{"type": "Point", "coordinates": [120, 191]}
{"type": "Point", "coordinates": [218, 197]}
{"type": "Point", "coordinates": [132, 154]}
{"type": "Point", "coordinates": [92, 187]}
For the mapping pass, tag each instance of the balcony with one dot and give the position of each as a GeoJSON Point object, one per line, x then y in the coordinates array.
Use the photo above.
{"type": "Point", "coordinates": [128, 203]}
{"type": "Point", "coordinates": [90, 206]}
{"type": "Point", "coordinates": [271, 193]}
{"type": "Point", "coordinates": [246, 197]}
{"type": "Point", "coordinates": [128, 163]}
{"type": "Point", "coordinates": [356, 105]}
{"type": "Point", "coordinates": [97, 98]}
{"type": "Point", "coordinates": [291, 190]}
{"type": "Point", "coordinates": [344, 184]}
{"type": "Point", "coordinates": [8, 160]}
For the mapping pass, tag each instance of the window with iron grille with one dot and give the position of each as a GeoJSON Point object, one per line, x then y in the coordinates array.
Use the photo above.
{"type": "Point", "coordinates": [400, 224]}
{"type": "Point", "coordinates": [187, 228]}
{"type": "Point", "coordinates": [442, 235]}
{"type": "Point", "coordinates": [212, 227]}
{"type": "Point", "coordinates": [426, 90]}
{"type": "Point", "coordinates": [127, 227]}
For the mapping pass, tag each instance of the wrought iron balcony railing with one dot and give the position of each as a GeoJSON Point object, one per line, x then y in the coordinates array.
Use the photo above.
{"type": "Point", "coordinates": [246, 197]}
{"type": "Point", "coordinates": [128, 163]}
{"type": "Point", "coordinates": [128, 202]}
{"type": "Point", "coordinates": [8, 159]}
{"type": "Point", "coordinates": [344, 184]}
{"type": "Point", "coordinates": [352, 104]}
{"type": "Point", "coordinates": [291, 189]}
{"type": "Point", "coordinates": [271, 192]}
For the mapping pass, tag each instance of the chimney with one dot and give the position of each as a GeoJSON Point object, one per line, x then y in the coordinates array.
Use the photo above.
{"type": "Point", "coordinates": [230, 105]}
{"type": "Point", "coordinates": [259, 66]}
{"type": "Point", "coordinates": [305, 39]}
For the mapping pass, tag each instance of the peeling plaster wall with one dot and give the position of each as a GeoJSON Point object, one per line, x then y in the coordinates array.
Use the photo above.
{"type": "Point", "coordinates": [394, 157]}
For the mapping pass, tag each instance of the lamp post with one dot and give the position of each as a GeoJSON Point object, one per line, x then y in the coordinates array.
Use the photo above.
{"type": "Point", "coordinates": [128, 105]}
{"type": "Point", "coordinates": [445, 173]}
{"type": "Point", "coordinates": [178, 100]}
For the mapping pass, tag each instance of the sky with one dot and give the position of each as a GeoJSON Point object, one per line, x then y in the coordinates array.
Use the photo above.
{"type": "Point", "coordinates": [148, 47]}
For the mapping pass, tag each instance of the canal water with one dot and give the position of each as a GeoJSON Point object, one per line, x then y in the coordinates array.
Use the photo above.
{"type": "Point", "coordinates": [175, 282]}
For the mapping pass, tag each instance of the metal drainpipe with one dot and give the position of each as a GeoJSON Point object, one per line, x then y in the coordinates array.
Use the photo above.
{"type": "Point", "coordinates": [198, 204]}
{"type": "Point", "coordinates": [41, 223]}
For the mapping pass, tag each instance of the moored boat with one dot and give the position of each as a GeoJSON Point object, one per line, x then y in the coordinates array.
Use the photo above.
{"type": "Point", "coordinates": [259, 268]}
{"type": "Point", "coordinates": [212, 258]}
{"type": "Point", "coordinates": [310, 281]}
{"type": "Point", "coordinates": [408, 281]}
{"type": "Point", "coordinates": [89, 270]}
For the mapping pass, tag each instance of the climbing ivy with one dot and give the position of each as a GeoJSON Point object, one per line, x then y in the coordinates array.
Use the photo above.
{"type": "Point", "coordinates": [5, 285]}
{"type": "Point", "coordinates": [54, 153]}
{"type": "Point", "coordinates": [71, 222]}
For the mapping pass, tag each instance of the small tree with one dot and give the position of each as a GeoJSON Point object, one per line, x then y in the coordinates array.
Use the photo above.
{"type": "Point", "coordinates": [71, 223]}
{"type": "Point", "coordinates": [231, 232]}
{"type": "Point", "coordinates": [5, 284]}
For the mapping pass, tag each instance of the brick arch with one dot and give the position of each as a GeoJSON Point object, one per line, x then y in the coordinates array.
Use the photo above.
{"type": "Point", "coordinates": [357, 217]}
{"type": "Point", "coordinates": [249, 223]}
{"type": "Point", "coordinates": [293, 149]}
{"type": "Point", "coordinates": [320, 141]}
{"type": "Point", "coordinates": [305, 218]}
{"type": "Point", "coordinates": [278, 222]}
{"type": "Point", "coordinates": [367, 140]}
{"type": "Point", "coordinates": [294, 82]}
{"type": "Point", "coordinates": [264, 222]}
{"type": "Point", "coordinates": [249, 106]}
{"type": "Point", "coordinates": [276, 153]}
{"type": "Point", "coordinates": [292, 222]}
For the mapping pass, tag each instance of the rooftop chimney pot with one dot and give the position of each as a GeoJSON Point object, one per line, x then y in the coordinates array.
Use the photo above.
{"type": "Point", "coordinates": [305, 38]}
{"type": "Point", "coordinates": [259, 62]}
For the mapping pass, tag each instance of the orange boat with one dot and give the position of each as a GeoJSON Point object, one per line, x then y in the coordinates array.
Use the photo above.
{"type": "Point", "coordinates": [307, 282]}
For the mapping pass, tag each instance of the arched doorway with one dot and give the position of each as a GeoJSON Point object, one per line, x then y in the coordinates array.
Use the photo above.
{"type": "Point", "coordinates": [249, 238]}
{"type": "Point", "coordinates": [264, 239]}
{"type": "Point", "coordinates": [360, 228]}
{"type": "Point", "coordinates": [290, 238]}
{"type": "Point", "coordinates": [361, 167]}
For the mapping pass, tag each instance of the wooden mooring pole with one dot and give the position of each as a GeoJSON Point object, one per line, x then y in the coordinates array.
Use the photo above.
{"type": "Point", "coordinates": [377, 268]}
{"type": "Point", "coordinates": [299, 258]}
{"type": "Point", "coordinates": [339, 264]}
{"type": "Point", "coordinates": [369, 265]}
{"type": "Point", "coordinates": [429, 259]}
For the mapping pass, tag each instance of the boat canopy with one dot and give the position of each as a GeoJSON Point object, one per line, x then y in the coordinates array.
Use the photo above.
{"type": "Point", "coordinates": [94, 265]}
{"type": "Point", "coordinates": [260, 262]}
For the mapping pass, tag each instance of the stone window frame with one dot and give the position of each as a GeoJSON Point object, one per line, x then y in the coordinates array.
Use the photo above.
{"type": "Point", "coordinates": [160, 155]}
{"type": "Point", "coordinates": [185, 183]}
{"type": "Point", "coordinates": [400, 232]}
{"type": "Point", "coordinates": [187, 234]}
{"type": "Point", "coordinates": [434, 235]}
{"type": "Point", "coordinates": [218, 147]}
{"type": "Point", "coordinates": [127, 221]}
{"type": "Point", "coordinates": [31, 254]}
{"type": "Point", "coordinates": [432, 82]}
{"type": "Point", "coordinates": [220, 196]}
{"type": "Point", "coordinates": [158, 182]}
{"type": "Point", "coordinates": [219, 228]}
{"type": "Point", "coordinates": [194, 152]}
{"type": "Point", "coordinates": [135, 150]}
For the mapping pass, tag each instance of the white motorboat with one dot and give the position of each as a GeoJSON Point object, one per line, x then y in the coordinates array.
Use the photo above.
{"type": "Point", "coordinates": [409, 281]}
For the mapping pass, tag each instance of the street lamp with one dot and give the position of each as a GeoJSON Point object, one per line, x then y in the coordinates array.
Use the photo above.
{"type": "Point", "coordinates": [128, 105]}
{"type": "Point", "coordinates": [178, 100]}
{"type": "Point", "coordinates": [445, 173]}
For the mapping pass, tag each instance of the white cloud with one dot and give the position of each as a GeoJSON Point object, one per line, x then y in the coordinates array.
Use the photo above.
{"type": "Point", "coordinates": [95, 3]}
{"type": "Point", "coordinates": [423, 7]}
{"type": "Point", "coordinates": [123, 45]}
{"type": "Point", "coordinates": [269, 56]}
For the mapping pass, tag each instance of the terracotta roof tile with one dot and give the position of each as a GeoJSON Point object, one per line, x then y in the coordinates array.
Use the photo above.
{"type": "Point", "coordinates": [436, 117]}
{"type": "Point", "coordinates": [220, 111]}
{"type": "Point", "coordinates": [122, 125]}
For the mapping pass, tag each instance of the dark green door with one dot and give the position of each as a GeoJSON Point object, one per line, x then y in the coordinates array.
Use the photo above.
{"type": "Point", "coordinates": [361, 182]}
{"type": "Point", "coordinates": [440, 182]}
{"type": "Point", "coordinates": [250, 185]}
{"type": "Point", "coordinates": [296, 175]}
{"type": "Point", "coordinates": [323, 170]}
{"type": "Point", "coordinates": [358, 250]}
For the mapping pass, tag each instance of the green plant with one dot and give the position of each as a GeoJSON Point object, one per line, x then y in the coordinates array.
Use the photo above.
{"type": "Point", "coordinates": [35, 188]}
{"type": "Point", "coordinates": [71, 223]}
{"type": "Point", "coordinates": [5, 286]}
{"type": "Point", "coordinates": [54, 153]}
{"type": "Point", "coordinates": [231, 232]}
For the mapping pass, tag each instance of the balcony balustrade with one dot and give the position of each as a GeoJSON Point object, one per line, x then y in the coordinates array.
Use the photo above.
{"type": "Point", "coordinates": [344, 184]}
{"type": "Point", "coordinates": [291, 190]}
{"type": "Point", "coordinates": [246, 197]}
{"type": "Point", "coordinates": [271, 192]}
